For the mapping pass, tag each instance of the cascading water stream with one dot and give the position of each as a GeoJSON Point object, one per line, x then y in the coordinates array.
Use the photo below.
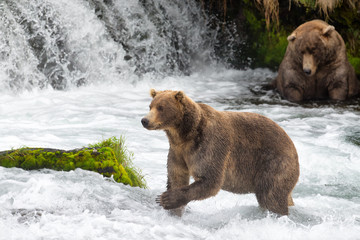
{"type": "Point", "coordinates": [71, 43]}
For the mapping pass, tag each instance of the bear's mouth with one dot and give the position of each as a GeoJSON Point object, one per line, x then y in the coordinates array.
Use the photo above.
{"type": "Point", "coordinates": [148, 125]}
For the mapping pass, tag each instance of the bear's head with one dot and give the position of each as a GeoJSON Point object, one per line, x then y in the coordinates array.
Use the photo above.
{"type": "Point", "coordinates": [312, 45]}
{"type": "Point", "coordinates": [166, 110]}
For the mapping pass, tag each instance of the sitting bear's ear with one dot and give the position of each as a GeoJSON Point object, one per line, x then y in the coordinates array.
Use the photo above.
{"type": "Point", "coordinates": [152, 93]}
{"type": "Point", "coordinates": [179, 96]}
{"type": "Point", "coordinates": [328, 30]}
{"type": "Point", "coordinates": [291, 37]}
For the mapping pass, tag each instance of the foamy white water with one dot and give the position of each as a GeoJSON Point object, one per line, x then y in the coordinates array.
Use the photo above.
{"type": "Point", "coordinates": [84, 205]}
{"type": "Point", "coordinates": [116, 54]}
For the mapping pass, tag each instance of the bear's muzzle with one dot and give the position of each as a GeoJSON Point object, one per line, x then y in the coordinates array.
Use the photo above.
{"type": "Point", "coordinates": [145, 122]}
{"type": "Point", "coordinates": [309, 64]}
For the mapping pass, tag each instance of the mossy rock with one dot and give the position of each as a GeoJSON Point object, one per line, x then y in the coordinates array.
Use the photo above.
{"type": "Point", "coordinates": [109, 158]}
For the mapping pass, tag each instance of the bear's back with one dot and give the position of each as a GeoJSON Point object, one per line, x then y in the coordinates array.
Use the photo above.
{"type": "Point", "coordinates": [259, 130]}
{"type": "Point", "coordinates": [246, 130]}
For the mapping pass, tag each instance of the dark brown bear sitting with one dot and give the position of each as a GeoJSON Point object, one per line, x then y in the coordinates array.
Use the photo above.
{"type": "Point", "coordinates": [315, 65]}
{"type": "Point", "coordinates": [236, 151]}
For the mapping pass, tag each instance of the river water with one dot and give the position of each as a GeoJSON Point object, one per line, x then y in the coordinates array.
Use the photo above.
{"type": "Point", "coordinates": [76, 72]}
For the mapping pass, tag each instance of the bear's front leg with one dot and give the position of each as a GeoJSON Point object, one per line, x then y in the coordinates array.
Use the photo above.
{"type": "Point", "coordinates": [208, 177]}
{"type": "Point", "coordinates": [338, 91]}
{"type": "Point", "coordinates": [178, 177]}
{"type": "Point", "coordinates": [199, 190]}
{"type": "Point", "coordinates": [292, 85]}
{"type": "Point", "coordinates": [172, 199]}
{"type": "Point", "coordinates": [293, 93]}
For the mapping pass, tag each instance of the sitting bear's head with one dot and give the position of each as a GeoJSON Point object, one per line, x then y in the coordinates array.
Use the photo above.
{"type": "Point", "coordinates": [313, 45]}
{"type": "Point", "coordinates": [166, 110]}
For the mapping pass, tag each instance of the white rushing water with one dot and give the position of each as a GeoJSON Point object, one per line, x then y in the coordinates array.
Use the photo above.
{"type": "Point", "coordinates": [113, 98]}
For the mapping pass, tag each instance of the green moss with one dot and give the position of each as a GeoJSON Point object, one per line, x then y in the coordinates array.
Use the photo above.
{"type": "Point", "coordinates": [127, 172]}
{"type": "Point", "coordinates": [123, 176]}
{"type": "Point", "coordinates": [109, 158]}
{"type": "Point", "coordinates": [267, 48]}
{"type": "Point", "coordinates": [355, 62]}
{"type": "Point", "coordinates": [308, 3]}
{"type": "Point", "coordinates": [29, 162]}
{"type": "Point", "coordinates": [254, 22]}
{"type": "Point", "coordinates": [273, 48]}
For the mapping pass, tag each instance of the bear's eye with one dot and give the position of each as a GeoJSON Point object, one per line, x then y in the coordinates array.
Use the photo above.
{"type": "Point", "coordinates": [159, 108]}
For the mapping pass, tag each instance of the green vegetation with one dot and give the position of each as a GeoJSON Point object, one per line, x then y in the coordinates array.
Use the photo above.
{"type": "Point", "coordinates": [355, 61]}
{"type": "Point", "coordinates": [267, 47]}
{"type": "Point", "coordinates": [109, 158]}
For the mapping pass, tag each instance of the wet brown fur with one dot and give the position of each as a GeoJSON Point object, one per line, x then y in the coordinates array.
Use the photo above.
{"type": "Point", "coordinates": [316, 46]}
{"type": "Point", "coordinates": [234, 151]}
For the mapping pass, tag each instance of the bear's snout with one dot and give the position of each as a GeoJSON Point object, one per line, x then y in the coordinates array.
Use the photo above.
{"type": "Point", "coordinates": [309, 64]}
{"type": "Point", "coordinates": [145, 122]}
{"type": "Point", "coordinates": [307, 71]}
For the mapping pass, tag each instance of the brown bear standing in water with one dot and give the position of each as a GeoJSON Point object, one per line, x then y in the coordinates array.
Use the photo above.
{"type": "Point", "coordinates": [315, 65]}
{"type": "Point", "coordinates": [235, 151]}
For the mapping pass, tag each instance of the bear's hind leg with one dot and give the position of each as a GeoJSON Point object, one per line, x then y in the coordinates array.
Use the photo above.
{"type": "Point", "coordinates": [274, 200]}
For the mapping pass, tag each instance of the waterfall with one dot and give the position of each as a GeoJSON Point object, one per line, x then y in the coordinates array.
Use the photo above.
{"type": "Point", "coordinates": [62, 44]}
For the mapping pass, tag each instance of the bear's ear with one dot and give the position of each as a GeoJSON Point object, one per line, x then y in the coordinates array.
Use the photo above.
{"type": "Point", "coordinates": [291, 37]}
{"type": "Point", "coordinates": [179, 96]}
{"type": "Point", "coordinates": [327, 31]}
{"type": "Point", "coordinates": [152, 93]}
